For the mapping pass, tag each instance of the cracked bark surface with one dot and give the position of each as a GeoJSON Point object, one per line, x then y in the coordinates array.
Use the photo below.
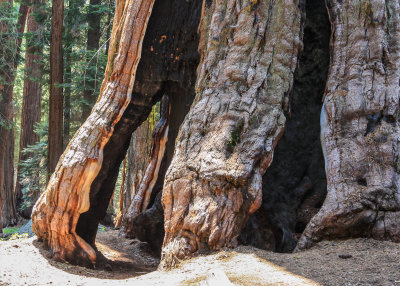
{"type": "Point", "coordinates": [360, 124]}
{"type": "Point", "coordinates": [55, 215]}
{"type": "Point", "coordinates": [248, 56]}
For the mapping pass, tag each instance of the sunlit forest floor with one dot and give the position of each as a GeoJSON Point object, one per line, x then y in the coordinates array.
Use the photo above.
{"type": "Point", "coordinates": [24, 261]}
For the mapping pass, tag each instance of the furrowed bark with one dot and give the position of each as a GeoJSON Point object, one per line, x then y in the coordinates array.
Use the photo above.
{"type": "Point", "coordinates": [55, 134]}
{"type": "Point", "coordinates": [9, 52]}
{"type": "Point", "coordinates": [9, 213]}
{"type": "Point", "coordinates": [92, 45]}
{"type": "Point", "coordinates": [159, 140]}
{"type": "Point", "coordinates": [55, 215]}
{"type": "Point", "coordinates": [1, 210]}
{"type": "Point", "coordinates": [248, 57]}
{"type": "Point", "coordinates": [360, 124]}
{"type": "Point", "coordinates": [32, 98]}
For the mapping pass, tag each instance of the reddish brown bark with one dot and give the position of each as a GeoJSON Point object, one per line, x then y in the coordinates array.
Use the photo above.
{"type": "Point", "coordinates": [10, 51]}
{"type": "Point", "coordinates": [32, 95]}
{"type": "Point", "coordinates": [56, 214]}
{"type": "Point", "coordinates": [137, 160]}
{"type": "Point", "coordinates": [9, 203]}
{"type": "Point", "coordinates": [92, 45]}
{"type": "Point", "coordinates": [55, 137]}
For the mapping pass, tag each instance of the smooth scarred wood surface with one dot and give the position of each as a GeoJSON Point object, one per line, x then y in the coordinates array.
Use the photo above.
{"type": "Point", "coordinates": [248, 55]}
{"type": "Point", "coordinates": [360, 124]}
{"type": "Point", "coordinates": [56, 213]}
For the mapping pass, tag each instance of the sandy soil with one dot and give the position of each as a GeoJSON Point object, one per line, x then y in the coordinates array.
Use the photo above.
{"type": "Point", "coordinates": [352, 262]}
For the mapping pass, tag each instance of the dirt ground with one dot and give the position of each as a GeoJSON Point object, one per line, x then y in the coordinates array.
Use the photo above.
{"type": "Point", "coordinates": [130, 262]}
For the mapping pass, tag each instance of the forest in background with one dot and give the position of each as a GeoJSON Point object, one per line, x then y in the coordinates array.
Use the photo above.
{"type": "Point", "coordinates": [25, 49]}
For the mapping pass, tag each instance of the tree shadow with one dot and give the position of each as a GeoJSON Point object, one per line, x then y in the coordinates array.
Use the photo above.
{"type": "Point", "coordinates": [117, 258]}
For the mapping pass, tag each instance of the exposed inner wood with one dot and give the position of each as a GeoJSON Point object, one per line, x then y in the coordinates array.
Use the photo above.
{"type": "Point", "coordinates": [55, 215]}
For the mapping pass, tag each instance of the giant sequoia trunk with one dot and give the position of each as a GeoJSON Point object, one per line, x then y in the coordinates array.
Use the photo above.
{"type": "Point", "coordinates": [249, 52]}
{"type": "Point", "coordinates": [68, 195]}
{"type": "Point", "coordinates": [248, 57]}
{"type": "Point", "coordinates": [360, 124]}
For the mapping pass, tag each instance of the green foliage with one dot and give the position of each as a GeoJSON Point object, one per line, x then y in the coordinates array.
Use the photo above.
{"type": "Point", "coordinates": [80, 68]}
{"type": "Point", "coordinates": [11, 230]}
{"type": "Point", "coordinates": [11, 233]}
{"type": "Point", "coordinates": [8, 41]}
{"type": "Point", "coordinates": [16, 236]}
{"type": "Point", "coordinates": [235, 136]}
{"type": "Point", "coordinates": [83, 71]}
{"type": "Point", "coordinates": [8, 52]}
{"type": "Point", "coordinates": [33, 170]}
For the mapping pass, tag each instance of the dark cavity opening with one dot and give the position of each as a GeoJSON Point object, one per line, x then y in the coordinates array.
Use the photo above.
{"type": "Point", "coordinates": [168, 66]}
{"type": "Point", "coordinates": [294, 187]}
{"type": "Point", "coordinates": [362, 182]}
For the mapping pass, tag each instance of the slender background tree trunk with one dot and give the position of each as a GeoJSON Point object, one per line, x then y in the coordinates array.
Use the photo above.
{"type": "Point", "coordinates": [10, 52]}
{"type": "Point", "coordinates": [55, 136]}
{"type": "Point", "coordinates": [92, 45]}
{"type": "Point", "coordinates": [32, 96]}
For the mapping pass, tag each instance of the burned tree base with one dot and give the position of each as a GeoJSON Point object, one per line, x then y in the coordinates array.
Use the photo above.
{"type": "Point", "coordinates": [149, 226]}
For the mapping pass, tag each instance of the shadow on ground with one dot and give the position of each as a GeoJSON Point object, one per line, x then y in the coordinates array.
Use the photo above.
{"type": "Point", "coordinates": [119, 258]}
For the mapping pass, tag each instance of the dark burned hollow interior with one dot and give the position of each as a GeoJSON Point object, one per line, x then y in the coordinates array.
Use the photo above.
{"type": "Point", "coordinates": [294, 186]}
{"type": "Point", "coordinates": [168, 66]}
